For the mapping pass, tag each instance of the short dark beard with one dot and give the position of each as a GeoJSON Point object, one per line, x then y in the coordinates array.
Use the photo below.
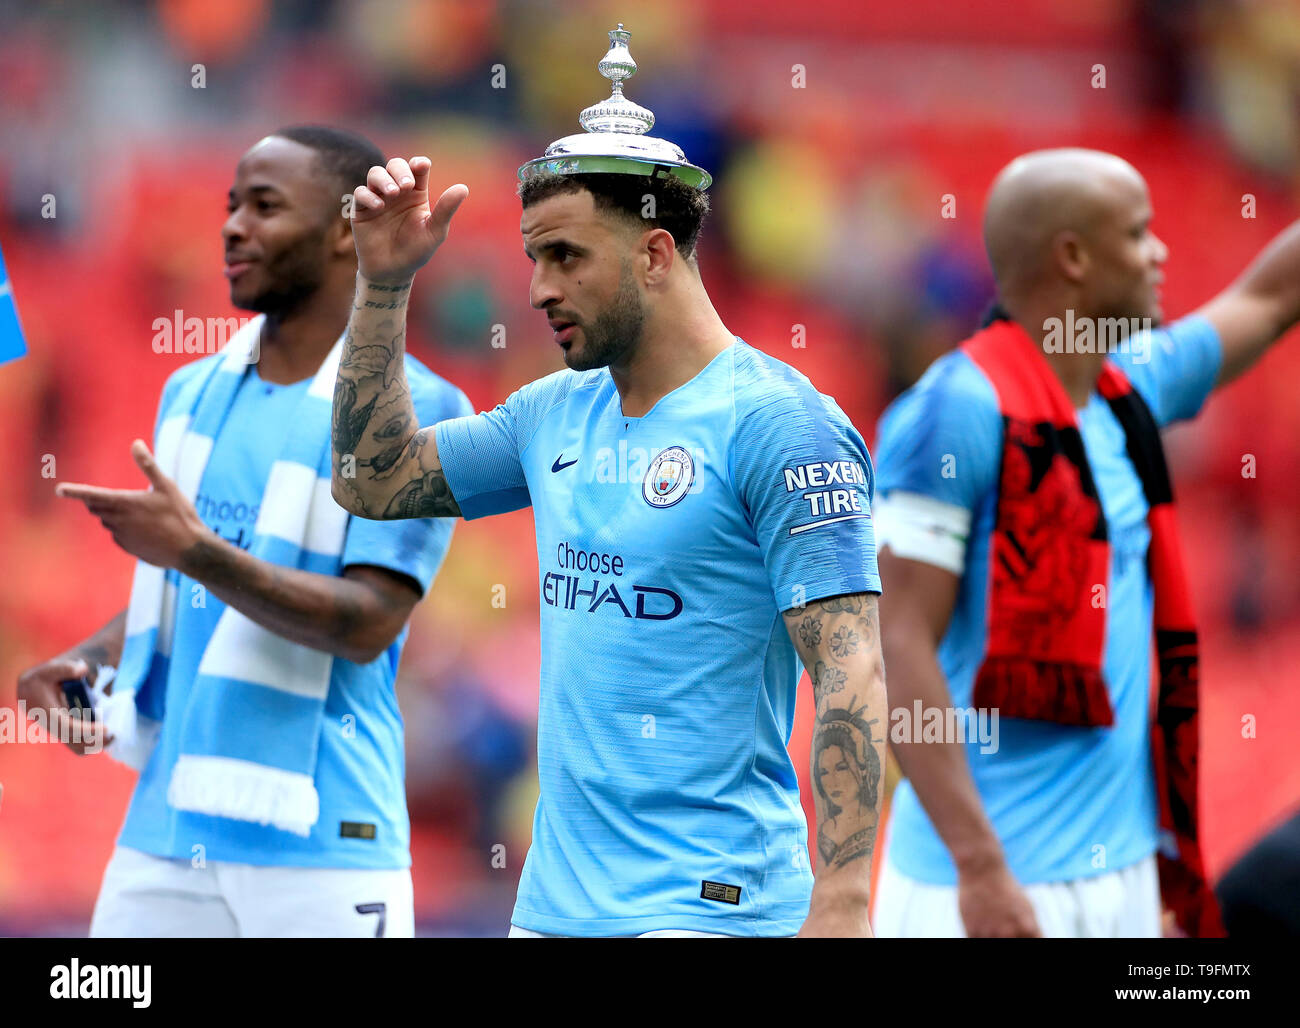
{"type": "Point", "coordinates": [615, 334]}
{"type": "Point", "coordinates": [296, 276]}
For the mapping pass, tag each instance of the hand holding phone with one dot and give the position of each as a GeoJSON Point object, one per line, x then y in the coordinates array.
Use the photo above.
{"type": "Point", "coordinates": [77, 692]}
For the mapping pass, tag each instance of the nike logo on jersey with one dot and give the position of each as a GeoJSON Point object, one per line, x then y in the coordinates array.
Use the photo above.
{"type": "Point", "coordinates": [557, 466]}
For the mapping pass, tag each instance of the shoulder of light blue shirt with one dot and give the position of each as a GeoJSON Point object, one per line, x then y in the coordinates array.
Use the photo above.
{"type": "Point", "coordinates": [782, 417]}
{"type": "Point", "coordinates": [941, 437]}
{"type": "Point", "coordinates": [434, 398]}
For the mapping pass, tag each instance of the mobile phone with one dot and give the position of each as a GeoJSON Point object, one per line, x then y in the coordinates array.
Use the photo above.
{"type": "Point", "coordinates": [77, 692]}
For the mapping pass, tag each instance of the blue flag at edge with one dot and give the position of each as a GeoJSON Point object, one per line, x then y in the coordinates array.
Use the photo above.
{"type": "Point", "coordinates": [12, 344]}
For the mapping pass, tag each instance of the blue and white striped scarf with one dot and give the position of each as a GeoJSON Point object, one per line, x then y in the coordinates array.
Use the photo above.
{"type": "Point", "coordinates": [252, 723]}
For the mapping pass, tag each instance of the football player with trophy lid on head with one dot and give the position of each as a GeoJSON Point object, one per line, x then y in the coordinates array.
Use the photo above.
{"type": "Point", "coordinates": [679, 590]}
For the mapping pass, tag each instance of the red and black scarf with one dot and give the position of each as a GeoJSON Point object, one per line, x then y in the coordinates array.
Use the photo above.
{"type": "Point", "coordinates": [1049, 569]}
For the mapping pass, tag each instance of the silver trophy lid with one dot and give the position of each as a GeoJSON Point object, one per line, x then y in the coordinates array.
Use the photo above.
{"type": "Point", "coordinates": [614, 139]}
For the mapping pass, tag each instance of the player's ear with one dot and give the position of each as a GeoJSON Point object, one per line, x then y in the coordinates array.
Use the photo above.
{"type": "Point", "coordinates": [340, 235]}
{"type": "Point", "coordinates": [1070, 253]}
{"type": "Point", "coordinates": [661, 252]}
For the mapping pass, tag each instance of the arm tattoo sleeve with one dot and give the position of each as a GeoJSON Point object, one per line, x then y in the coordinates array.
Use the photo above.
{"type": "Point", "coordinates": [381, 458]}
{"type": "Point", "coordinates": [839, 642]}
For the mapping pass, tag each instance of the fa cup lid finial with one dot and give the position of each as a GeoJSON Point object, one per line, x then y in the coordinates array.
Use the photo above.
{"type": "Point", "coordinates": [615, 140]}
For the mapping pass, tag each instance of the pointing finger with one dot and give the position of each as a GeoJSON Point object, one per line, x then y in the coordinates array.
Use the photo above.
{"type": "Point", "coordinates": [91, 493]}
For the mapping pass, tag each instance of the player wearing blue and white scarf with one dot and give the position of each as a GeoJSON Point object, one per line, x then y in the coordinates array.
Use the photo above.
{"type": "Point", "coordinates": [256, 662]}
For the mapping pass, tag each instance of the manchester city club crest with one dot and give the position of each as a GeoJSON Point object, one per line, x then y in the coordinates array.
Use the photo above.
{"type": "Point", "coordinates": [669, 477]}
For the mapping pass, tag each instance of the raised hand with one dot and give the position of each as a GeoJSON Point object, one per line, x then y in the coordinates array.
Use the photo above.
{"type": "Point", "coordinates": [395, 229]}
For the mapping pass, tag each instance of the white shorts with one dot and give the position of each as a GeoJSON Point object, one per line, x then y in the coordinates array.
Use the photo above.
{"type": "Point", "coordinates": [1123, 904]}
{"type": "Point", "coordinates": [144, 896]}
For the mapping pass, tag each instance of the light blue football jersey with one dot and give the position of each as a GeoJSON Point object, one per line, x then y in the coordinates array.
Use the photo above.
{"type": "Point", "coordinates": [1066, 802]}
{"type": "Point", "coordinates": [361, 762]}
{"type": "Point", "coordinates": [668, 545]}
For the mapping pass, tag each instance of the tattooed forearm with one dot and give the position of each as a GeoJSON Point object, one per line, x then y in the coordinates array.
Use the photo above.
{"type": "Point", "coordinates": [426, 497]}
{"type": "Point", "coordinates": [384, 461]}
{"type": "Point", "coordinates": [350, 420]}
{"type": "Point", "coordinates": [843, 604]}
{"type": "Point", "coordinates": [394, 427]}
{"type": "Point", "coordinates": [839, 642]}
{"type": "Point", "coordinates": [860, 844]}
{"type": "Point", "coordinates": [383, 467]}
{"type": "Point", "coordinates": [844, 641]}
{"type": "Point", "coordinates": [826, 680]}
{"type": "Point", "coordinates": [810, 632]}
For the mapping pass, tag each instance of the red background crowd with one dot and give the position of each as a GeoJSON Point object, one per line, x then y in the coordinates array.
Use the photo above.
{"type": "Point", "coordinates": [852, 146]}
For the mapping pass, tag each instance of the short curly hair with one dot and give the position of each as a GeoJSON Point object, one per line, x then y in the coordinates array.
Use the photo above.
{"type": "Point", "coordinates": [679, 209]}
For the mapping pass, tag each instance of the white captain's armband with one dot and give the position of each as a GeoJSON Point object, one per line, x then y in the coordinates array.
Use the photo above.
{"type": "Point", "coordinates": [924, 529]}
